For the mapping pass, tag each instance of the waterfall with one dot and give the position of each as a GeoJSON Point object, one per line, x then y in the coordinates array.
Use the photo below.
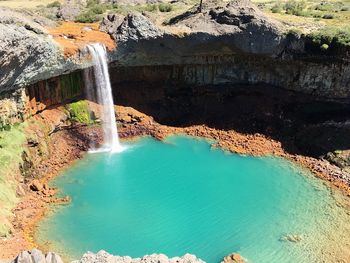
{"type": "Point", "coordinates": [104, 97]}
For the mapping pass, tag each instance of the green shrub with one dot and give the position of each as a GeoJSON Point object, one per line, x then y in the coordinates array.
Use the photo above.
{"type": "Point", "coordinates": [325, 6]}
{"type": "Point", "coordinates": [329, 35]}
{"type": "Point", "coordinates": [151, 8]}
{"type": "Point", "coordinates": [165, 7]}
{"type": "Point", "coordinates": [54, 4]}
{"type": "Point", "coordinates": [277, 8]}
{"type": "Point", "coordinates": [91, 3]}
{"type": "Point", "coordinates": [294, 7]}
{"type": "Point", "coordinates": [79, 112]}
{"type": "Point", "coordinates": [294, 32]}
{"type": "Point", "coordinates": [331, 7]}
{"type": "Point", "coordinates": [87, 17]}
{"type": "Point", "coordinates": [98, 9]}
{"type": "Point", "coordinates": [304, 13]}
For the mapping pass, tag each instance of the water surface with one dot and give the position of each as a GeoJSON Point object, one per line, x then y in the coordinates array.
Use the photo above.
{"type": "Point", "coordinates": [181, 197]}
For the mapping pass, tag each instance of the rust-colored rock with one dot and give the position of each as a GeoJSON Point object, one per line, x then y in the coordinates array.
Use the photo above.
{"type": "Point", "coordinates": [233, 258]}
{"type": "Point", "coordinates": [74, 36]}
{"type": "Point", "coordinates": [36, 186]}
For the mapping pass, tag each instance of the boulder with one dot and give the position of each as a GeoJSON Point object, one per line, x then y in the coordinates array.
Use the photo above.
{"type": "Point", "coordinates": [104, 257]}
{"type": "Point", "coordinates": [24, 257]}
{"type": "Point", "coordinates": [70, 9]}
{"type": "Point", "coordinates": [53, 258]}
{"type": "Point", "coordinates": [36, 186]}
{"type": "Point", "coordinates": [234, 258]}
{"type": "Point", "coordinates": [37, 256]}
{"type": "Point", "coordinates": [136, 26]}
{"type": "Point", "coordinates": [111, 22]}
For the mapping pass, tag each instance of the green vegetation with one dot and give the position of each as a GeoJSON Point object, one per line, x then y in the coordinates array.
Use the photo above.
{"type": "Point", "coordinates": [309, 8]}
{"type": "Point", "coordinates": [98, 9]}
{"type": "Point", "coordinates": [295, 32]}
{"type": "Point", "coordinates": [54, 4]}
{"type": "Point", "coordinates": [165, 7]}
{"type": "Point", "coordinates": [91, 3]}
{"type": "Point", "coordinates": [151, 7]}
{"type": "Point", "coordinates": [331, 35]}
{"type": "Point", "coordinates": [79, 112]}
{"type": "Point", "coordinates": [87, 17]}
{"type": "Point", "coordinates": [93, 12]}
{"type": "Point", "coordinates": [71, 85]}
{"type": "Point", "coordinates": [277, 8]}
{"type": "Point", "coordinates": [324, 47]}
{"type": "Point", "coordinates": [294, 7]}
{"type": "Point", "coordinates": [12, 143]}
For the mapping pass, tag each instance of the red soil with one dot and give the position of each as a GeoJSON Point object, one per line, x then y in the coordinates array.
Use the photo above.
{"type": "Point", "coordinates": [74, 36]}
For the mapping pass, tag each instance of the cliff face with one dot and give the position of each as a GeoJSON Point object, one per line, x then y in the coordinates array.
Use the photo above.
{"type": "Point", "coordinates": [231, 44]}
{"type": "Point", "coordinates": [28, 53]}
{"type": "Point", "coordinates": [229, 48]}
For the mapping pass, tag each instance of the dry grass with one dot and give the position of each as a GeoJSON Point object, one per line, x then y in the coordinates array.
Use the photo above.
{"type": "Point", "coordinates": [29, 4]}
{"type": "Point", "coordinates": [307, 24]}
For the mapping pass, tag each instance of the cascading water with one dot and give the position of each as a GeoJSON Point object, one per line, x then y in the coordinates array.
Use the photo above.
{"type": "Point", "coordinates": [104, 97]}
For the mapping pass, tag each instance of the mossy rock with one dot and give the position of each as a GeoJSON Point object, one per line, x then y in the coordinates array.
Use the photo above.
{"type": "Point", "coordinates": [79, 112]}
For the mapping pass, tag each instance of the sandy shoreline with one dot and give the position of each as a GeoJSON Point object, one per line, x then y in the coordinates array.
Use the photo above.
{"type": "Point", "coordinates": [70, 143]}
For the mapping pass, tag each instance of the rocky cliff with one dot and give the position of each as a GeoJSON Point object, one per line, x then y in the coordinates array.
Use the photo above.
{"type": "Point", "coordinates": [225, 43]}
{"type": "Point", "coordinates": [226, 49]}
{"type": "Point", "coordinates": [28, 53]}
{"type": "Point", "coordinates": [234, 43]}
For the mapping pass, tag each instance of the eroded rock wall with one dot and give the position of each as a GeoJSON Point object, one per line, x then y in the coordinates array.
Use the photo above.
{"type": "Point", "coordinates": [324, 80]}
{"type": "Point", "coordinates": [18, 105]}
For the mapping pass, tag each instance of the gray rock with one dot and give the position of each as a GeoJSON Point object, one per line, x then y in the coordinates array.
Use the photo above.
{"type": "Point", "coordinates": [53, 258]}
{"type": "Point", "coordinates": [24, 257]}
{"type": "Point", "coordinates": [28, 54]}
{"type": "Point", "coordinates": [136, 27]}
{"type": "Point", "coordinates": [110, 23]}
{"type": "Point", "coordinates": [104, 257]}
{"type": "Point", "coordinates": [37, 256]}
{"type": "Point", "coordinates": [70, 9]}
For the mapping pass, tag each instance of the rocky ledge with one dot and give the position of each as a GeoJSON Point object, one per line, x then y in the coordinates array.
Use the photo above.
{"type": "Point", "coordinates": [36, 256]}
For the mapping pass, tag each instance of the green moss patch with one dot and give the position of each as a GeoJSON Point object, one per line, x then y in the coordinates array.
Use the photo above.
{"type": "Point", "coordinates": [79, 112]}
